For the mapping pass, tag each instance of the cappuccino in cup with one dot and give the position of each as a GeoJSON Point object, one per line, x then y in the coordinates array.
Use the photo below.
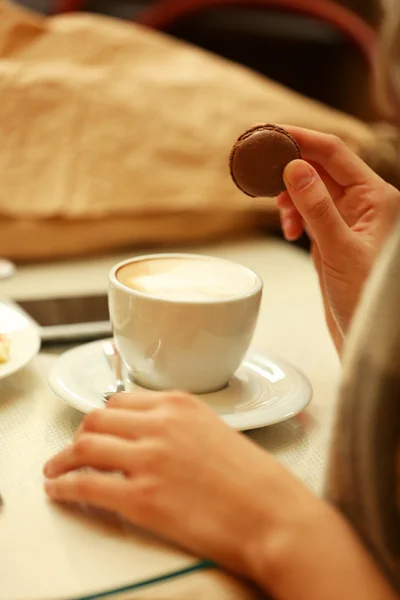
{"type": "Point", "coordinates": [183, 321]}
{"type": "Point", "coordinates": [188, 279]}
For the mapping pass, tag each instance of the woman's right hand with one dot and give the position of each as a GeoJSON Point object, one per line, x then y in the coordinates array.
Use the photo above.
{"type": "Point", "coordinates": [166, 462]}
{"type": "Point", "coordinates": [347, 209]}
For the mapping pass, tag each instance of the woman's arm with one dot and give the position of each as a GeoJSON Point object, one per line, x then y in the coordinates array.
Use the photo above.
{"type": "Point", "coordinates": [318, 558]}
{"type": "Point", "coordinates": [191, 479]}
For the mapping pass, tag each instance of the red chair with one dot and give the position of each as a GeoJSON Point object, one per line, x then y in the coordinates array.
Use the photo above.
{"type": "Point", "coordinates": [164, 13]}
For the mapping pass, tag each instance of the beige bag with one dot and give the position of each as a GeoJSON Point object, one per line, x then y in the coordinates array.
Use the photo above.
{"type": "Point", "coordinates": [113, 135]}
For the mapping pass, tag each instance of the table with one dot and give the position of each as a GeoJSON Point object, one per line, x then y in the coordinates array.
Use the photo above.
{"type": "Point", "coordinates": [53, 552]}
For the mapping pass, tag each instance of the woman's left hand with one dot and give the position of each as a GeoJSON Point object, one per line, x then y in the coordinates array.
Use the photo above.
{"type": "Point", "coordinates": [185, 475]}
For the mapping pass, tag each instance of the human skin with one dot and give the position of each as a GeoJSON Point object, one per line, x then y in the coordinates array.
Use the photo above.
{"type": "Point", "coordinates": [188, 477]}
{"type": "Point", "coordinates": [348, 211]}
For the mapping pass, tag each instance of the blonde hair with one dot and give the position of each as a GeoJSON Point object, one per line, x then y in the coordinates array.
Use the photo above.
{"type": "Point", "coordinates": [387, 84]}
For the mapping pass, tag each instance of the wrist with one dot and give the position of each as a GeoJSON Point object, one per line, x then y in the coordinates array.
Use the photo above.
{"type": "Point", "coordinates": [286, 510]}
{"type": "Point", "coordinates": [272, 558]}
{"type": "Point", "coordinates": [312, 553]}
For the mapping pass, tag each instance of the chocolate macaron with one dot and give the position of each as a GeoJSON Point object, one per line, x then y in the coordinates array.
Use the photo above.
{"type": "Point", "coordinates": [258, 160]}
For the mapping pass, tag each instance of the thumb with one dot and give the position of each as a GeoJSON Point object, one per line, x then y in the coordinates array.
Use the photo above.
{"type": "Point", "coordinates": [313, 201]}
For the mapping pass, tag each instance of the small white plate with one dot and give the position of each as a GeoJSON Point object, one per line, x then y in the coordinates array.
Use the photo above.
{"type": "Point", "coordinates": [24, 338]}
{"type": "Point", "coordinates": [262, 392]}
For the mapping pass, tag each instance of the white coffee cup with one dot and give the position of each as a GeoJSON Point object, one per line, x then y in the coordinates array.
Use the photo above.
{"type": "Point", "coordinates": [183, 321]}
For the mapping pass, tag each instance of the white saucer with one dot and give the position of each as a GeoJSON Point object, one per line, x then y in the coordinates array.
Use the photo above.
{"type": "Point", "coordinates": [262, 392]}
{"type": "Point", "coordinates": [24, 338]}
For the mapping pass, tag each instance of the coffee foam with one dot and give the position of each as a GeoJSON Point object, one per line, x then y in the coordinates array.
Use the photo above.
{"type": "Point", "coordinates": [188, 279]}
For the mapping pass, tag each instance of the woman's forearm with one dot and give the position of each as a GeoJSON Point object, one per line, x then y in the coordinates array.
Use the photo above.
{"type": "Point", "coordinates": [318, 557]}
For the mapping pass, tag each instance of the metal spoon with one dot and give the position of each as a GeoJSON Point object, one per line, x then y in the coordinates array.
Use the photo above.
{"type": "Point", "coordinates": [114, 360]}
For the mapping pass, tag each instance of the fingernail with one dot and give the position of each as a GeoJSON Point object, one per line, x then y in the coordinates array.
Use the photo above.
{"type": "Point", "coordinates": [283, 200]}
{"type": "Point", "coordinates": [287, 224]}
{"type": "Point", "coordinates": [298, 175]}
{"type": "Point", "coordinates": [288, 229]}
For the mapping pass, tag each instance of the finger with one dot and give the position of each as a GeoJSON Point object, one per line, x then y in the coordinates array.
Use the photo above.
{"type": "Point", "coordinates": [292, 223]}
{"type": "Point", "coordinates": [136, 401]}
{"type": "Point", "coordinates": [316, 256]}
{"type": "Point", "coordinates": [315, 205]}
{"type": "Point", "coordinates": [122, 423]}
{"type": "Point", "coordinates": [284, 200]}
{"type": "Point", "coordinates": [104, 491]}
{"type": "Point", "coordinates": [79, 431]}
{"type": "Point", "coordinates": [342, 164]}
{"type": "Point", "coordinates": [90, 450]}
{"type": "Point", "coordinates": [335, 190]}
{"type": "Point", "coordinates": [333, 328]}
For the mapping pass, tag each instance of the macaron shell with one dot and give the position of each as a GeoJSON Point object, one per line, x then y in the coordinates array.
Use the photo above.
{"type": "Point", "coordinates": [258, 160]}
